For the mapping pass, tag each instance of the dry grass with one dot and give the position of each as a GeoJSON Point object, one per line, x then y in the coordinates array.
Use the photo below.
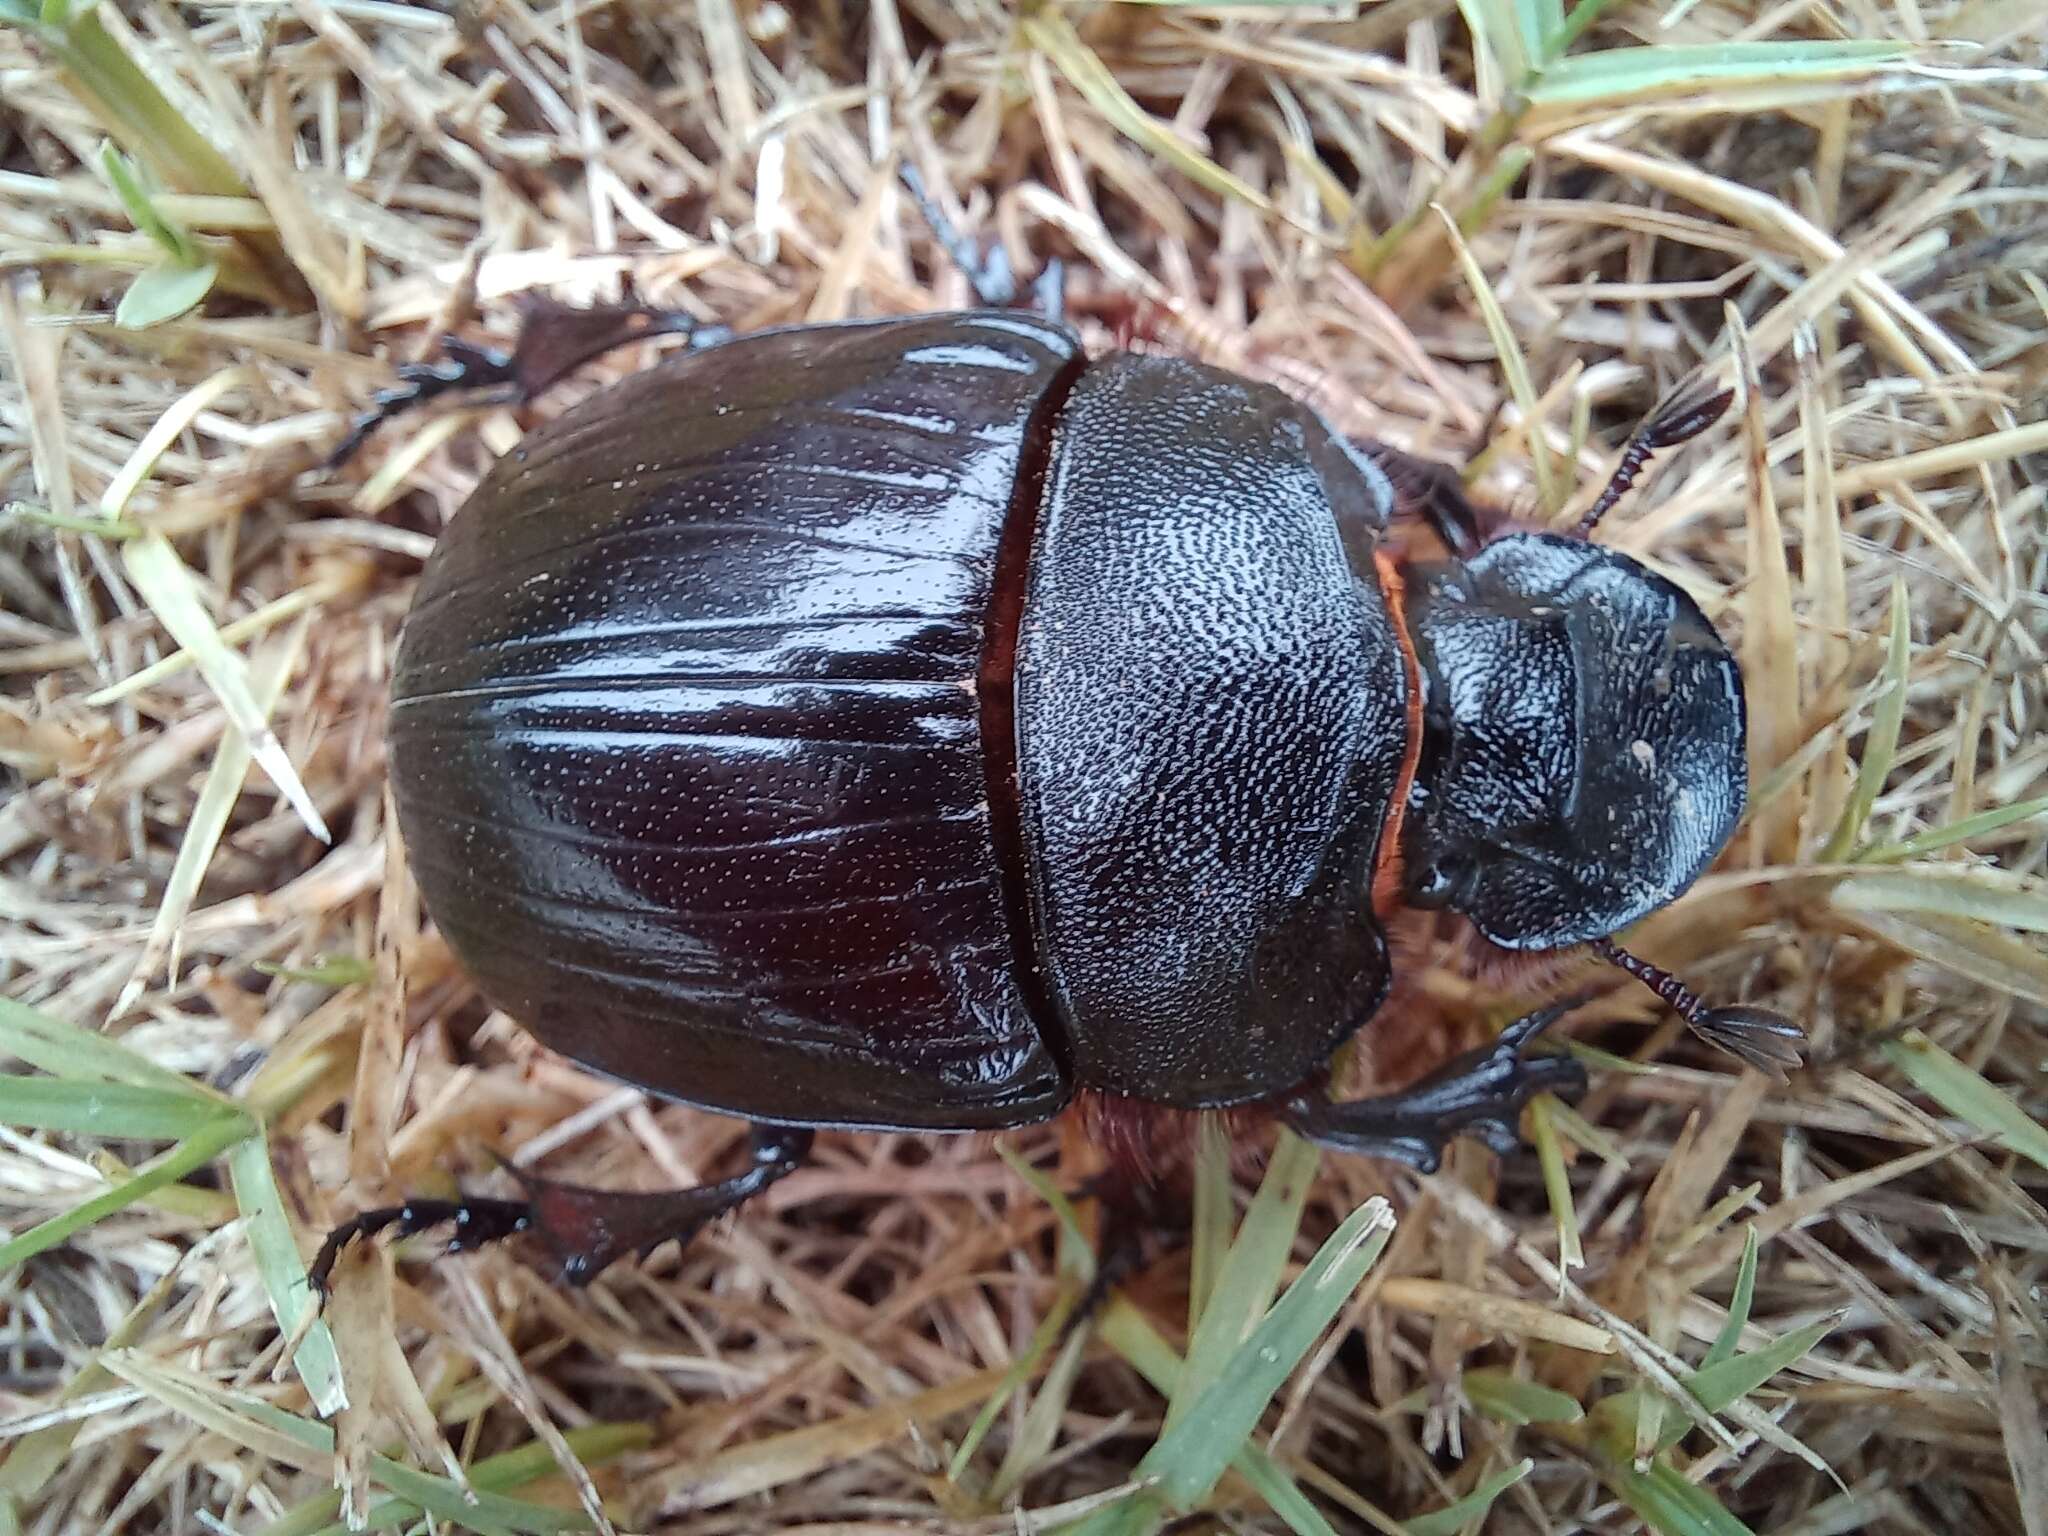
{"type": "Point", "coordinates": [1871, 528]}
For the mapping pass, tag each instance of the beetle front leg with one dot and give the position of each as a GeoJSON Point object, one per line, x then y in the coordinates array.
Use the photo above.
{"type": "Point", "coordinates": [988, 272]}
{"type": "Point", "coordinates": [585, 1229]}
{"type": "Point", "coordinates": [554, 340]}
{"type": "Point", "coordinates": [1434, 493]}
{"type": "Point", "coordinates": [1479, 1094]}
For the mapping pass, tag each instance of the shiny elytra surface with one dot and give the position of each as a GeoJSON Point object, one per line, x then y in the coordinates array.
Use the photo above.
{"type": "Point", "coordinates": [686, 737]}
{"type": "Point", "coordinates": [909, 723]}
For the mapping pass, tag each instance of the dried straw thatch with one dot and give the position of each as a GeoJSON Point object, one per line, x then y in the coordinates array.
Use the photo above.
{"type": "Point", "coordinates": [1839, 206]}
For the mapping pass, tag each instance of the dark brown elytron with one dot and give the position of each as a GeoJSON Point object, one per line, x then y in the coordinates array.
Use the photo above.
{"type": "Point", "coordinates": [916, 723]}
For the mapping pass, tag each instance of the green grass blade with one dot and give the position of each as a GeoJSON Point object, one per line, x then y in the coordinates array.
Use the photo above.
{"type": "Point", "coordinates": [1538, 23]}
{"type": "Point", "coordinates": [1209, 1232]}
{"type": "Point", "coordinates": [1607, 1061]}
{"type": "Point", "coordinates": [1143, 1347]}
{"type": "Point", "coordinates": [1508, 350]}
{"type": "Point", "coordinates": [169, 589]}
{"type": "Point", "coordinates": [1723, 1347]}
{"type": "Point", "coordinates": [121, 94]}
{"type": "Point", "coordinates": [1575, 1127]}
{"type": "Point", "coordinates": [283, 1272]}
{"type": "Point", "coordinates": [1974, 892]}
{"type": "Point", "coordinates": [1882, 742]}
{"type": "Point", "coordinates": [1250, 1272]}
{"type": "Point", "coordinates": [1139, 1515]}
{"type": "Point", "coordinates": [43, 517]}
{"type": "Point", "coordinates": [334, 971]}
{"type": "Point", "coordinates": [1937, 838]}
{"type": "Point", "coordinates": [1131, 1334]}
{"type": "Point", "coordinates": [248, 1421]}
{"type": "Point", "coordinates": [1192, 1453]}
{"type": "Point", "coordinates": [594, 1445]}
{"type": "Point", "coordinates": [1669, 1503]}
{"type": "Point", "coordinates": [1727, 1382]}
{"type": "Point", "coordinates": [1496, 40]}
{"type": "Point", "coordinates": [115, 1111]}
{"type": "Point", "coordinates": [1510, 1399]}
{"type": "Point", "coordinates": [1077, 1260]}
{"type": "Point", "coordinates": [1453, 1518]}
{"type": "Point", "coordinates": [64, 1050]}
{"type": "Point", "coordinates": [195, 1152]}
{"type": "Point", "coordinates": [1967, 1095]}
{"type": "Point", "coordinates": [1283, 1496]}
{"type": "Point", "coordinates": [1557, 1182]}
{"type": "Point", "coordinates": [251, 624]}
{"type": "Point", "coordinates": [1582, 16]}
{"type": "Point", "coordinates": [1051, 34]}
{"type": "Point", "coordinates": [1618, 75]}
{"type": "Point", "coordinates": [219, 793]}
{"type": "Point", "coordinates": [164, 292]}
{"type": "Point", "coordinates": [1076, 1256]}
{"type": "Point", "coordinates": [1040, 1428]}
{"type": "Point", "coordinates": [134, 192]}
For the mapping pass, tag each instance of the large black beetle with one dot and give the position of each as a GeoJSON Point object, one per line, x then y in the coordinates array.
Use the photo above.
{"type": "Point", "coordinates": [916, 723]}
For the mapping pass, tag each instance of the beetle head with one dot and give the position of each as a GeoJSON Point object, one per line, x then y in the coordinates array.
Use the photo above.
{"type": "Point", "coordinates": [1583, 742]}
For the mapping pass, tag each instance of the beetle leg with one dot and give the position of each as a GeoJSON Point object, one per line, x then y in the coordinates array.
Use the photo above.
{"type": "Point", "coordinates": [554, 341]}
{"type": "Point", "coordinates": [476, 1222]}
{"type": "Point", "coordinates": [988, 272]}
{"type": "Point", "coordinates": [1049, 290]}
{"type": "Point", "coordinates": [587, 1229]}
{"type": "Point", "coordinates": [1478, 1094]}
{"type": "Point", "coordinates": [1434, 492]}
{"type": "Point", "coordinates": [1131, 1211]}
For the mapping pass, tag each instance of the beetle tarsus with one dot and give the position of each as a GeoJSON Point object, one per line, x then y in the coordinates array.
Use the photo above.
{"type": "Point", "coordinates": [585, 1229]}
{"type": "Point", "coordinates": [476, 1222]}
{"type": "Point", "coordinates": [554, 340]}
{"type": "Point", "coordinates": [1479, 1094]}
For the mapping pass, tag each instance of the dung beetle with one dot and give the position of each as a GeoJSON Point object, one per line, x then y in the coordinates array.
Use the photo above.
{"type": "Point", "coordinates": [919, 724]}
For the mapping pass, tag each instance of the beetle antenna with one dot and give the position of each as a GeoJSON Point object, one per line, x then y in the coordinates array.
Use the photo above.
{"type": "Point", "coordinates": [1685, 413]}
{"type": "Point", "coordinates": [1765, 1040]}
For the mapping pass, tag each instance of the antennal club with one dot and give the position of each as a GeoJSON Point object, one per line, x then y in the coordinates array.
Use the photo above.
{"type": "Point", "coordinates": [1684, 414]}
{"type": "Point", "coordinates": [1765, 1040]}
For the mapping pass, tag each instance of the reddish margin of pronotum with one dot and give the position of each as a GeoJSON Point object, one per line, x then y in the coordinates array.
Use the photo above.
{"type": "Point", "coordinates": [1389, 865]}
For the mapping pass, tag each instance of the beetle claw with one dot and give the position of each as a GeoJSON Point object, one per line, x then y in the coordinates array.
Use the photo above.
{"type": "Point", "coordinates": [476, 1222]}
{"type": "Point", "coordinates": [554, 340]}
{"type": "Point", "coordinates": [587, 1229]}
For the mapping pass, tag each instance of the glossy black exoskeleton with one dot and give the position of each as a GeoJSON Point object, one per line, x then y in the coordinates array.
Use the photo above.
{"type": "Point", "coordinates": [914, 723]}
